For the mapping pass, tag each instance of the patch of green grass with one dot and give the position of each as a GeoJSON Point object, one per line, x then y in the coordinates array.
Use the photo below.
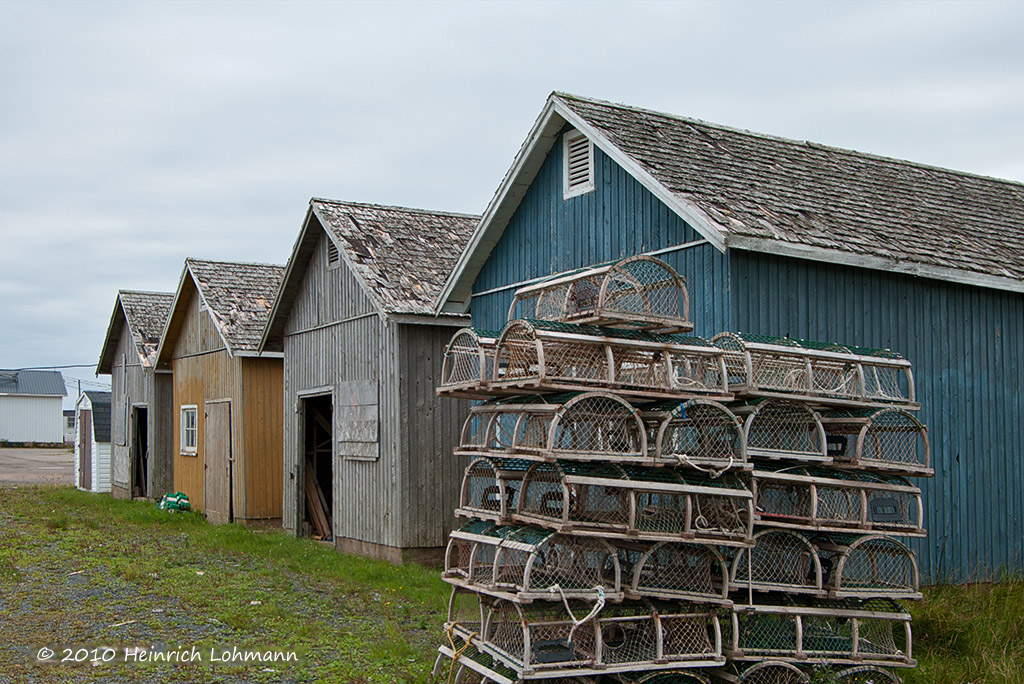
{"type": "Point", "coordinates": [82, 568]}
{"type": "Point", "coordinates": [970, 633]}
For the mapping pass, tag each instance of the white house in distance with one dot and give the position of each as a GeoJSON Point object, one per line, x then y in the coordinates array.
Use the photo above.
{"type": "Point", "coordinates": [92, 442]}
{"type": "Point", "coordinates": [30, 407]}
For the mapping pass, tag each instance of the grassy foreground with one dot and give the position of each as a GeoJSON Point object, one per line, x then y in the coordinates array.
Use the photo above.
{"type": "Point", "coordinates": [89, 572]}
{"type": "Point", "coordinates": [79, 570]}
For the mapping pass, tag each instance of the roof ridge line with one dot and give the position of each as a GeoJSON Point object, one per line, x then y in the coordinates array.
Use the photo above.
{"type": "Point", "coordinates": [791, 141]}
{"type": "Point", "coordinates": [394, 207]}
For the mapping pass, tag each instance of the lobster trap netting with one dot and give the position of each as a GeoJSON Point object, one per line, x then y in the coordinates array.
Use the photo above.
{"type": "Point", "coordinates": [468, 360]}
{"type": "Point", "coordinates": [535, 563]}
{"type": "Point", "coordinates": [541, 635]}
{"type": "Point", "coordinates": [676, 570]}
{"type": "Point", "coordinates": [779, 429]}
{"type": "Point", "coordinates": [490, 487]}
{"type": "Point", "coordinates": [533, 355]}
{"type": "Point", "coordinates": [871, 566]}
{"type": "Point", "coordinates": [824, 372]}
{"type": "Point", "coordinates": [599, 424]}
{"type": "Point", "coordinates": [773, 672]}
{"type": "Point", "coordinates": [867, 674]}
{"type": "Point", "coordinates": [465, 612]}
{"type": "Point", "coordinates": [628, 635]}
{"type": "Point", "coordinates": [779, 560]}
{"type": "Point", "coordinates": [670, 677]}
{"type": "Point", "coordinates": [640, 292]}
{"type": "Point", "coordinates": [882, 439]}
{"type": "Point", "coordinates": [841, 500]}
{"type": "Point", "coordinates": [699, 433]}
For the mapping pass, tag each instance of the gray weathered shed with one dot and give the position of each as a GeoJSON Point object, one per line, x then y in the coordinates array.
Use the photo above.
{"type": "Point", "coordinates": [141, 459]}
{"type": "Point", "coordinates": [362, 356]}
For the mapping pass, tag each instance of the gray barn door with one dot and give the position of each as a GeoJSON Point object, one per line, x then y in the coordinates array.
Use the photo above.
{"type": "Point", "coordinates": [85, 449]}
{"type": "Point", "coordinates": [217, 455]}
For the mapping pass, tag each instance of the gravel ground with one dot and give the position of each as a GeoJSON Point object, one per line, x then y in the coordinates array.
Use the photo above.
{"type": "Point", "coordinates": [80, 583]}
{"type": "Point", "coordinates": [36, 466]}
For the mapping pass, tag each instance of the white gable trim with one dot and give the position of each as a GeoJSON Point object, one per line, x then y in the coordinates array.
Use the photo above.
{"type": "Point", "coordinates": [834, 256]}
{"type": "Point", "coordinates": [700, 221]}
{"type": "Point", "coordinates": [456, 294]}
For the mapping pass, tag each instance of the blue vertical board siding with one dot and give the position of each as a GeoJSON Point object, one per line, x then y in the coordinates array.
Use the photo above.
{"type": "Point", "coordinates": [966, 344]}
{"type": "Point", "coordinates": [548, 234]}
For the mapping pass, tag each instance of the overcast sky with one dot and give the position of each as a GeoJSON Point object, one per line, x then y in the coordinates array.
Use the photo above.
{"type": "Point", "coordinates": [133, 135]}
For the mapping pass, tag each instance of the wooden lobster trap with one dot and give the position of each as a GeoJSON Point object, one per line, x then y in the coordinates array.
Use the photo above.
{"type": "Point", "coordinates": [763, 672]}
{"type": "Point", "coordinates": [867, 674]}
{"type": "Point", "coordinates": [699, 433]}
{"type": "Point", "coordinates": [832, 500]}
{"type": "Point", "coordinates": [763, 366]}
{"type": "Point", "coordinates": [490, 487]}
{"type": "Point", "coordinates": [779, 560]}
{"type": "Point", "coordinates": [572, 638]}
{"type": "Point", "coordinates": [639, 292]}
{"type": "Point", "coordinates": [467, 368]}
{"type": "Point", "coordinates": [544, 356]}
{"type": "Point", "coordinates": [585, 426]}
{"type": "Point", "coordinates": [875, 632]}
{"type": "Point", "coordinates": [778, 429]}
{"type": "Point", "coordinates": [837, 566]}
{"type": "Point", "coordinates": [868, 566]}
{"type": "Point", "coordinates": [633, 502]}
{"type": "Point", "coordinates": [668, 677]}
{"type": "Point", "coordinates": [886, 439]}
{"type": "Point", "coordinates": [678, 571]}
{"type": "Point", "coordinates": [524, 564]}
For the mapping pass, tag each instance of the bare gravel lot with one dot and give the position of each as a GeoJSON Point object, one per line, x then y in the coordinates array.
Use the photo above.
{"type": "Point", "coordinates": [36, 467]}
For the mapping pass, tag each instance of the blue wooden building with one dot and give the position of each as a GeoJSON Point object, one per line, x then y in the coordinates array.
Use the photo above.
{"type": "Point", "coordinates": [781, 237]}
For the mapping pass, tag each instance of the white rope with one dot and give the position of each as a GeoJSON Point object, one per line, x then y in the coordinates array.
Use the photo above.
{"type": "Point", "coordinates": [684, 459]}
{"type": "Point", "coordinates": [598, 607]}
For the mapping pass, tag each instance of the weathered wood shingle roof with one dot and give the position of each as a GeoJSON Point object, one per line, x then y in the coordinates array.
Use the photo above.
{"type": "Point", "coordinates": [403, 256]}
{"type": "Point", "coordinates": [764, 187]}
{"type": "Point", "coordinates": [750, 191]}
{"type": "Point", "coordinates": [145, 314]}
{"type": "Point", "coordinates": [239, 296]}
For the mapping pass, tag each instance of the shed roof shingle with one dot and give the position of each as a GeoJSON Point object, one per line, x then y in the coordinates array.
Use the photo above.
{"type": "Point", "coordinates": [100, 414]}
{"type": "Point", "coordinates": [763, 187]}
{"type": "Point", "coordinates": [239, 296]}
{"type": "Point", "coordinates": [402, 255]}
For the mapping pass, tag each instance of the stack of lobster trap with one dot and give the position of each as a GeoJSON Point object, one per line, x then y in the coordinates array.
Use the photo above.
{"type": "Point", "coordinates": [646, 506]}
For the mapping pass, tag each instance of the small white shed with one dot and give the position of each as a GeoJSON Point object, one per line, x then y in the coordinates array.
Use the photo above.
{"type": "Point", "coordinates": [92, 442]}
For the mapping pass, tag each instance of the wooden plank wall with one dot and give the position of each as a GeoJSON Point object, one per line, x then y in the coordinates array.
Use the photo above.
{"type": "Point", "coordinates": [332, 336]}
{"type": "Point", "coordinates": [260, 412]}
{"type": "Point", "coordinates": [967, 347]}
{"type": "Point", "coordinates": [161, 436]}
{"type": "Point", "coordinates": [129, 388]}
{"type": "Point", "coordinates": [202, 371]}
{"type": "Point", "coordinates": [548, 234]}
{"type": "Point", "coordinates": [431, 475]}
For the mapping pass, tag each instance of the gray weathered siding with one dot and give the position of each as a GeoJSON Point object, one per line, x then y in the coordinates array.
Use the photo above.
{"type": "Point", "coordinates": [334, 336]}
{"type": "Point", "coordinates": [432, 475]}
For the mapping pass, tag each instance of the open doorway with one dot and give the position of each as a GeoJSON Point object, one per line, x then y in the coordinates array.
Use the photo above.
{"type": "Point", "coordinates": [140, 452]}
{"type": "Point", "coordinates": [318, 484]}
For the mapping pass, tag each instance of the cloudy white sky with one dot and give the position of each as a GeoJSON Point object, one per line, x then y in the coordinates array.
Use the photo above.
{"type": "Point", "coordinates": [133, 135]}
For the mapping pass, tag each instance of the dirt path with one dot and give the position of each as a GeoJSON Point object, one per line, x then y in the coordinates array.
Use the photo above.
{"type": "Point", "coordinates": [36, 467]}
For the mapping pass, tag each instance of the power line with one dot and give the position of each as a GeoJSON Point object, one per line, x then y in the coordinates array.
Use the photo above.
{"type": "Point", "coordinates": [76, 365]}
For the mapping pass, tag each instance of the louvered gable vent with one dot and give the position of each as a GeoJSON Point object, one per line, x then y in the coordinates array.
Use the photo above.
{"type": "Point", "coordinates": [332, 253]}
{"type": "Point", "coordinates": [578, 166]}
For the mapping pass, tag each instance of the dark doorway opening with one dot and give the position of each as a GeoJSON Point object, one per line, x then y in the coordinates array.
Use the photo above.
{"type": "Point", "coordinates": [318, 479]}
{"type": "Point", "coordinates": [140, 452]}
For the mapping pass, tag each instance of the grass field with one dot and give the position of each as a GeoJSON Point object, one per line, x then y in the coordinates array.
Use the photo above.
{"type": "Point", "coordinates": [86, 572]}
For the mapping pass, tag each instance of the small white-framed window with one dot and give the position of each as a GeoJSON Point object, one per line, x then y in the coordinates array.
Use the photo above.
{"type": "Point", "coordinates": [189, 429]}
{"type": "Point", "coordinates": [577, 164]}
